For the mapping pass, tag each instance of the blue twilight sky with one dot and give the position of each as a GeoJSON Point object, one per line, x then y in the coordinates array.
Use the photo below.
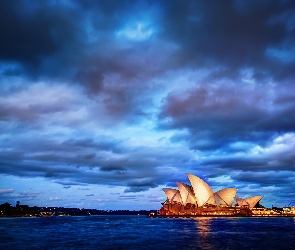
{"type": "Point", "coordinates": [104, 103]}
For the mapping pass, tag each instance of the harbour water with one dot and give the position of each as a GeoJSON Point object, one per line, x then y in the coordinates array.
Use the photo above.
{"type": "Point", "coordinates": [139, 232]}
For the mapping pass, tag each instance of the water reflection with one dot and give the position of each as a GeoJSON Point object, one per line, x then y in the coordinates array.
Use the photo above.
{"type": "Point", "coordinates": [203, 229]}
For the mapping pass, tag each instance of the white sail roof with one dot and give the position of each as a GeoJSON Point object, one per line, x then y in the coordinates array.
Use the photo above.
{"type": "Point", "coordinates": [186, 193]}
{"type": "Point", "coordinates": [227, 195]}
{"type": "Point", "coordinates": [201, 189]}
{"type": "Point", "coordinates": [215, 199]}
{"type": "Point", "coordinates": [200, 193]}
{"type": "Point", "coordinates": [172, 194]}
{"type": "Point", "coordinates": [250, 201]}
{"type": "Point", "coordinates": [241, 202]}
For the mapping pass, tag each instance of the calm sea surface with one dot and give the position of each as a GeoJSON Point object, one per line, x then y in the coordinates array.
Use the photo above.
{"type": "Point", "coordinates": [138, 232]}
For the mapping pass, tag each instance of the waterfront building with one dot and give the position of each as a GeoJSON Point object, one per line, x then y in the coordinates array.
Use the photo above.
{"type": "Point", "coordinates": [250, 201]}
{"type": "Point", "coordinates": [199, 199]}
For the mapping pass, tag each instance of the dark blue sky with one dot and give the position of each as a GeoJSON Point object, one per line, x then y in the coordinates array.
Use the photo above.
{"type": "Point", "coordinates": [104, 103]}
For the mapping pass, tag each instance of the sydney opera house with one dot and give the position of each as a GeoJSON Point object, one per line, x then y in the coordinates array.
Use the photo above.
{"type": "Point", "coordinates": [199, 199]}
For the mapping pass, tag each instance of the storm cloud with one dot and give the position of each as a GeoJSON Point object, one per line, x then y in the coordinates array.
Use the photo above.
{"type": "Point", "coordinates": [127, 96]}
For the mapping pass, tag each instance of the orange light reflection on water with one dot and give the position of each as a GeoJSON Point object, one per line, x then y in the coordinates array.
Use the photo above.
{"type": "Point", "coordinates": [204, 228]}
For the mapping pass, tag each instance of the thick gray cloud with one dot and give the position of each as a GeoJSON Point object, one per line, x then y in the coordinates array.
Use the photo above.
{"type": "Point", "coordinates": [219, 115]}
{"type": "Point", "coordinates": [133, 94]}
{"type": "Point", "coordinates": [6, 191]}
{"type": "Point", "coordinates": [234, 34]}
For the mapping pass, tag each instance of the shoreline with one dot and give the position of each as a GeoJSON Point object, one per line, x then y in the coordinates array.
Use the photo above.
{"type": "Point", "coordinates": [220, 216]}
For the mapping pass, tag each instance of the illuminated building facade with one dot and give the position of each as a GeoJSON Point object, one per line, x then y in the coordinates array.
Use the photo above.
{"type": "Point", "coordinates": [199, 199]}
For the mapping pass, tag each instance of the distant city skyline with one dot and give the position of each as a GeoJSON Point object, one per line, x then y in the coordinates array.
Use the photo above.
{"type": "Point", "coordinates": [104, 103]}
